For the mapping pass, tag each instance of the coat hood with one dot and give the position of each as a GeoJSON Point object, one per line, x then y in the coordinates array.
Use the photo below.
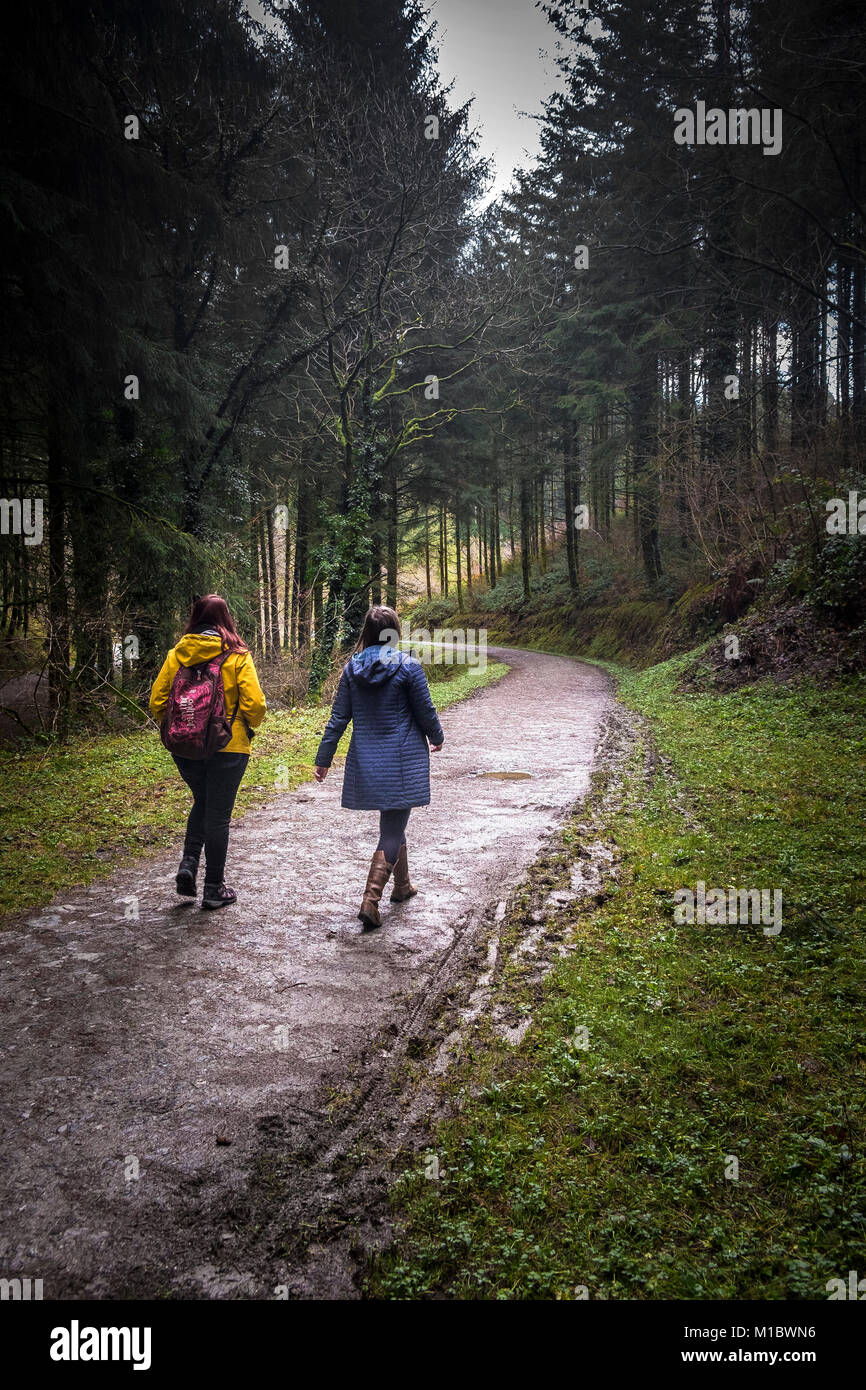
{"type": "Point", "coordinates": [375, 665]}
{"type": "Point", "coordinates": [196, 647]}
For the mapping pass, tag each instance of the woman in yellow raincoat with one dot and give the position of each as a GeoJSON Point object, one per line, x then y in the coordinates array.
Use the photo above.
{"type": "Point", "coordinates": [210, 636]}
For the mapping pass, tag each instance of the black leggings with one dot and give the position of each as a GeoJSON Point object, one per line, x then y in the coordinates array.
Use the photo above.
{"type": "Point", "coordinates": [214, 785]}
{"type": "Point", "coordinates": [392, 831]}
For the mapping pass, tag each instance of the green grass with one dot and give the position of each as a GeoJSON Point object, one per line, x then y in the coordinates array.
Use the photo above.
{"type": "Point", "coordinates": [68, 815]}
{"type": "Point", "coordinates": [565, 1168]}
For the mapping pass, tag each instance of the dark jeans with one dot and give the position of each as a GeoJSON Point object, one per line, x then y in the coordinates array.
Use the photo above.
{"type": "Point", "coordinates": [214, 785]}
{"type": "Point", "coordinates": [392, 831]}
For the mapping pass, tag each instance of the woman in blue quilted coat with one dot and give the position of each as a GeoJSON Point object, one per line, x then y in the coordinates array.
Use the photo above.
{"type": "Point", "coordinates": [384, 692]}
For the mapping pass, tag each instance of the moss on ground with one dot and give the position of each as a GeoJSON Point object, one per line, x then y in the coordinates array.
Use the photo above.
{"type": "Point", "coordinates": [708, 1143]}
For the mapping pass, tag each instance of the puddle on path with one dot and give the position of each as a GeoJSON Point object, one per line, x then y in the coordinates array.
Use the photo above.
{"type": "Point", "coordinates": [506, 776]}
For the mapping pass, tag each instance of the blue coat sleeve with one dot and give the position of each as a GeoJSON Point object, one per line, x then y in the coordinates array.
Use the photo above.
{"type": "Point", "coordinates": [336, 725]}
{"type": "Point", "coordinates": [423, 709]}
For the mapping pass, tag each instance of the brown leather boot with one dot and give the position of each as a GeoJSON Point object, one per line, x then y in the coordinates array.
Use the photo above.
{"type": "Point", "coordinates": [380, 872]}
{"type": "Point", "coordinates": [402, 889]}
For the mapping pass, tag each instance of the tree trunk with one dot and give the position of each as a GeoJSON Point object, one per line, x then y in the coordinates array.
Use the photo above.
{"type": "Point", "coordinates": [682, 425]}
{"type": "Point", "coordinates": [441, 566]}
{"type": "Point", "coordinates": [843, 297]}
{"type": "Point", "coordinates": [273, 589]}
{"type": "Point", "coordinates": [58, 596]}
{"type": "Point", "coordinates": [646, 481]}
{"type": "Point", "coordinates": [469, 555]}
{"type": "Point", "coordinates": [525, 533]}
{"type": "Point", "coordinates": [496, 532]}
{"type": "Point", "coordinates": [288, 638]}
{"type": "Point", "coordinates": [255, 566]}
{"type": "Point", "coordinates": [552, 513]}
{"type": "Point", "coordinates": [391, 588]}
{"type": "Point", "coordinates": [267, 630]}
{"type": "Point", "coordinates": [569, 444]}
{"type": "Point", "coordinates": [376, 572]}
{"type": "Point", "coordinates": [16, 615]}
{"type": "Point", "coordinates": [457, 556]}
{"type": "Point", "coordinates": [318, 606]}
{"type": "Point", "coordinates": [300, 591]}
{"type": "Point", "coordinates": [261, 606]}
{"type": "Point", "coordinates": [771, 388]}
{"type": "Point", "coordinates": [858, 340]}
{"type": "Point", "coordinates": [804, 363]}
{"type": "Point", "coordinates": [483, 553]}
{"type": "Point", "coordinates": [427, 552]}
{"type": "Point", "coordinates": [721, 413]}
{"type": "Point", "coordinates": [327, 633]}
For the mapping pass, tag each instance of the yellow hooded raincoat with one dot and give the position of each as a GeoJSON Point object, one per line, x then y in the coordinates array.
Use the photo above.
{"type": "Point", "coordinates": [240, 682]}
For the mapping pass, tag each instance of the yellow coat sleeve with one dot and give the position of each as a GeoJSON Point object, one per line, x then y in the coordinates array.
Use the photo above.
{"type": "Point", "coordinates": [162, 686]}
{"type": "Point", "coordinates": [251, 702]}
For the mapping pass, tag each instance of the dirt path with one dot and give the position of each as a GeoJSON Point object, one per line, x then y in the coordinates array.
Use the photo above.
{"type": "Point", "coordinates": [155, 1057]}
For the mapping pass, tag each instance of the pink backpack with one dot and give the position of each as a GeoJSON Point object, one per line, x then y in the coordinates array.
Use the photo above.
{"type": "Point", "coordinates": [195, 723]}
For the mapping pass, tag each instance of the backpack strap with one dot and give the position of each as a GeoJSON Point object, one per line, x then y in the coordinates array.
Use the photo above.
{"type": "Point", "coordinates": [220, 660]}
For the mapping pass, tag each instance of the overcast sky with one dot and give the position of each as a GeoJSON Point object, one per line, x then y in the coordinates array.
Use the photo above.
{"type": "Point", "coordinates": [501, 52]}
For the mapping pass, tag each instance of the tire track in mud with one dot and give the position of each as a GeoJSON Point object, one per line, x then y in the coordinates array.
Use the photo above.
{"type": "Point", "coordinates": [187, 1096]}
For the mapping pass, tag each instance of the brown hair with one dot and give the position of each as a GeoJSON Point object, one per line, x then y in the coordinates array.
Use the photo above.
{"type": "Point", "coordinates": [210, 610]}
{"type": "Point", "coordinates": [377, 620]}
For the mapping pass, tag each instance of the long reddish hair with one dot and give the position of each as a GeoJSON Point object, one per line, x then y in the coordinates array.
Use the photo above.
{"type": "Point", "coordinates": [211, 610]}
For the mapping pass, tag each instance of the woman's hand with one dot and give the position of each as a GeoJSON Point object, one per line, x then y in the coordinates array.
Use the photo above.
{"type": "Point", "coordinates": [435, 747]}
{"type": "Point", "coordinates": [321, 773]}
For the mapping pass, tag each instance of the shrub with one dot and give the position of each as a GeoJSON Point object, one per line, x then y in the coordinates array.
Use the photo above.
{"type": "Point", "coordinates": [434, 612]}
{"type": "Point", "coordinates": [840, 578]}
{"type": "Point", "coordinates": [505, 597]}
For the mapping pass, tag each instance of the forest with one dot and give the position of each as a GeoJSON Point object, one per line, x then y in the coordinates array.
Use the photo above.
{"type": "Point", "coordinates": [274, 329]}
{"type": "Point", "coordinates": [264, 337]}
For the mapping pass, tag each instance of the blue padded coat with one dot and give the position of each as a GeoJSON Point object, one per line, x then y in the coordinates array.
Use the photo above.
{"type": "Point", "coordinates": [384, 692]}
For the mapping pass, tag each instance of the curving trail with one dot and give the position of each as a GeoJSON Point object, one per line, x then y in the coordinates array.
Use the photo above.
{"type": "Point", "coordinates": [146, 1064]}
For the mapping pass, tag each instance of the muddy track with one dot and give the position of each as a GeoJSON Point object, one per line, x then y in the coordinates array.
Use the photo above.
{"type": "Point", "coordinates": [389, 1123]}
{"type": "Point", "coordinates": [202, 1105]}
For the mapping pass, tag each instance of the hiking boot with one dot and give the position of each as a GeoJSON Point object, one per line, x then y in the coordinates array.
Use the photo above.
{"type": "Point", "coordinates": [217, 895]}
{"type": "Point", "coordinates": [402, 889]}
{"type": "Point", "coordinates": [380, 872]}
{"type": "Point", "coordinates": [185, 877]}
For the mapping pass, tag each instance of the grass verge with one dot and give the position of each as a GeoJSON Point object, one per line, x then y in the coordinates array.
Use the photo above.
{"type": "Point", "coordinates": [702, 1138]}
{"type": "Point", "coordinates": [69, 814]}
